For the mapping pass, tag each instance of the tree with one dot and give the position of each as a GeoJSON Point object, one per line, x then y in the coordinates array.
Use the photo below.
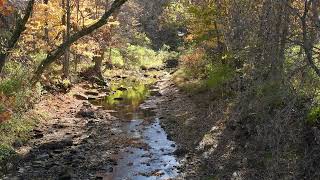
{"type": "Point", "coordinates": [308, 33]}
{"type": "Point", "coordinates": [55, 54]}
{"type": "Point", "coordinates": [19, 29]}
{"type": "Point", "coordinates": [66, 21]}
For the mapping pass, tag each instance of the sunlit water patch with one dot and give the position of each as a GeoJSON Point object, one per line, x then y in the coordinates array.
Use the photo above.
{"type": "Point", "coordinates": [156, 161]}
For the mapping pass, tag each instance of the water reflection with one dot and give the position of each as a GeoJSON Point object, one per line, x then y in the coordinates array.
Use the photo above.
{"type": "Point", "coordinates": [125, 96]}
{"type": "Point", "coordinates": [151, 156]}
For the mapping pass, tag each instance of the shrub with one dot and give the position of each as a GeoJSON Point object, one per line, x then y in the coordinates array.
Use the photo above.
{"type": "Point", "coordinates": [218, 74]}
{"type": "Point", "coordinates": [195, 62]}
{"type": "Point", "coordinates": [116, 57]}
{"type": "Point", "coordinates": [5, 151]}
{"type": "Point", "coordinates": [313, 116]}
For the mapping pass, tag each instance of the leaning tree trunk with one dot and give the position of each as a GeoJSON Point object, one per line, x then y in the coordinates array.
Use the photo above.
{"type": "Point", "coordinates": [20, 27]}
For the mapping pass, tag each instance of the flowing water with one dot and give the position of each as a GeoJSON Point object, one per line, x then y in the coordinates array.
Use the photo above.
{"type": "Point", "coordinates": [150, 156]}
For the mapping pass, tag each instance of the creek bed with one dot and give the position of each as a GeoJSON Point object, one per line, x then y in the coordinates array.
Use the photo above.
{"type": "Point", "coordinates": [149, 154]}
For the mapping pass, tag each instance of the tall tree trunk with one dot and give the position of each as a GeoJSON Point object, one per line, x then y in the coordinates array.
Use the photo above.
{"type": "Point", "coordinates": [66, 61]}
{"type": "Point", "coordinates": [55, 54]}
{"type": "Point", "coordinates": [46, 30]}
{"type": "Point", "coordinates": [272, 40]}
{"type": "Point", "coordinates": [20, 27]}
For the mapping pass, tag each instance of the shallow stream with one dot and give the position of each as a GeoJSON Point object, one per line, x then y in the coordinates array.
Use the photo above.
{"type": "Point", "coordinates": [149, 155]}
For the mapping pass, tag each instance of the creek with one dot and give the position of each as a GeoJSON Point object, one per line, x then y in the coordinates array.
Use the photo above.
{"type": "Point", "coordinates": [150, 154]}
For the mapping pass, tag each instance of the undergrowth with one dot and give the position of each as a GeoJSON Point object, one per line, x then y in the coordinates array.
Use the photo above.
{"type": "Point", "coordinates": [16, 98]}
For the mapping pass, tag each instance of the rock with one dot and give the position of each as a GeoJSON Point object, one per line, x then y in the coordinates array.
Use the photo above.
{"type": "Point", "coordinates": [86, 113]}
{"type": "Point", "coordinates": [172, 63]}
{"type": "Point", "coordinates": [80, 97]}
{"type": "Point", "coordinates": [118, 98]}
{"type": "Point", "coordinates": [144, 68]}
{"type": "Point", "coordinates": [122, 89]}
{"type": "Point", "coordinates": [38, 134]}
{"type": "Point", "coordinates": [155, 93]}
{"type": "Point", "coordinates": [73, 151]}
{"type": "Point", "coordinates": [91, 93]}
{"type": "Point", "coordinates": [104, 90]}
{"type": "Point", "coordinates": [180, 152]}
{"type": "Point", "coordinates": [59, 126]}
{"type": "Point", "coordinates": [154, 69]}
{"type": "Point", "coordinates": [117, 76]}
{"type": "Point", "coordinates": [92, 97]}
{"type": "Point", "coordinates": [43, 156]}
{"type": "Point", "coordinates": [18, 143]}
{"type": "Point", "coordinates": [99, 178]}
{"type": "Point", "coordinates": [54, 145]}
{"type": "Point", "coordinates": [65, 176]}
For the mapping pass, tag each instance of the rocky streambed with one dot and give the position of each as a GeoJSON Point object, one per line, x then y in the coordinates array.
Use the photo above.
{"type": "Point", "coordinates": [113, 136]}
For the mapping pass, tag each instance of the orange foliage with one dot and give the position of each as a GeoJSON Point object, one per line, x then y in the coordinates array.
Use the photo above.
{"type": "Point", "coordinates": [5, 9]}
{"type": "Point", "coordinates": [192, 59]}
{"type": "Point", "coordinates": [195, 61]}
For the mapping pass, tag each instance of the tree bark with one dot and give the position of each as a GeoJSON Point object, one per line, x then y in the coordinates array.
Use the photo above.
{"type": "Point", "coordinates": [307, 40]}
{"type": "Point", "coordinates": [20, 27]}
{"type": "Point", "coordinates": [46, 30]}
{"type": "Point", "coordinates": [55, 54]}
{"type": "Point", "coordinates": [66, 61]}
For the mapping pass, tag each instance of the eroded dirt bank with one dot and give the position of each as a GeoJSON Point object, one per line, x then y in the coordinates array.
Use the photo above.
{"type": "Point", "coordinates": [210, 146]}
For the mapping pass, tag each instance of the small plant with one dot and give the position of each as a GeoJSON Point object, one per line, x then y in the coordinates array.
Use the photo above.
{"type": "Point", "coordinates": [314, 115]}
{"type": "Point", "coordinates": [11, 85]}
{"type": "Point", "coordinates": [5, 151]}
{"type": "Point", "coordinates": [115, 57]}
